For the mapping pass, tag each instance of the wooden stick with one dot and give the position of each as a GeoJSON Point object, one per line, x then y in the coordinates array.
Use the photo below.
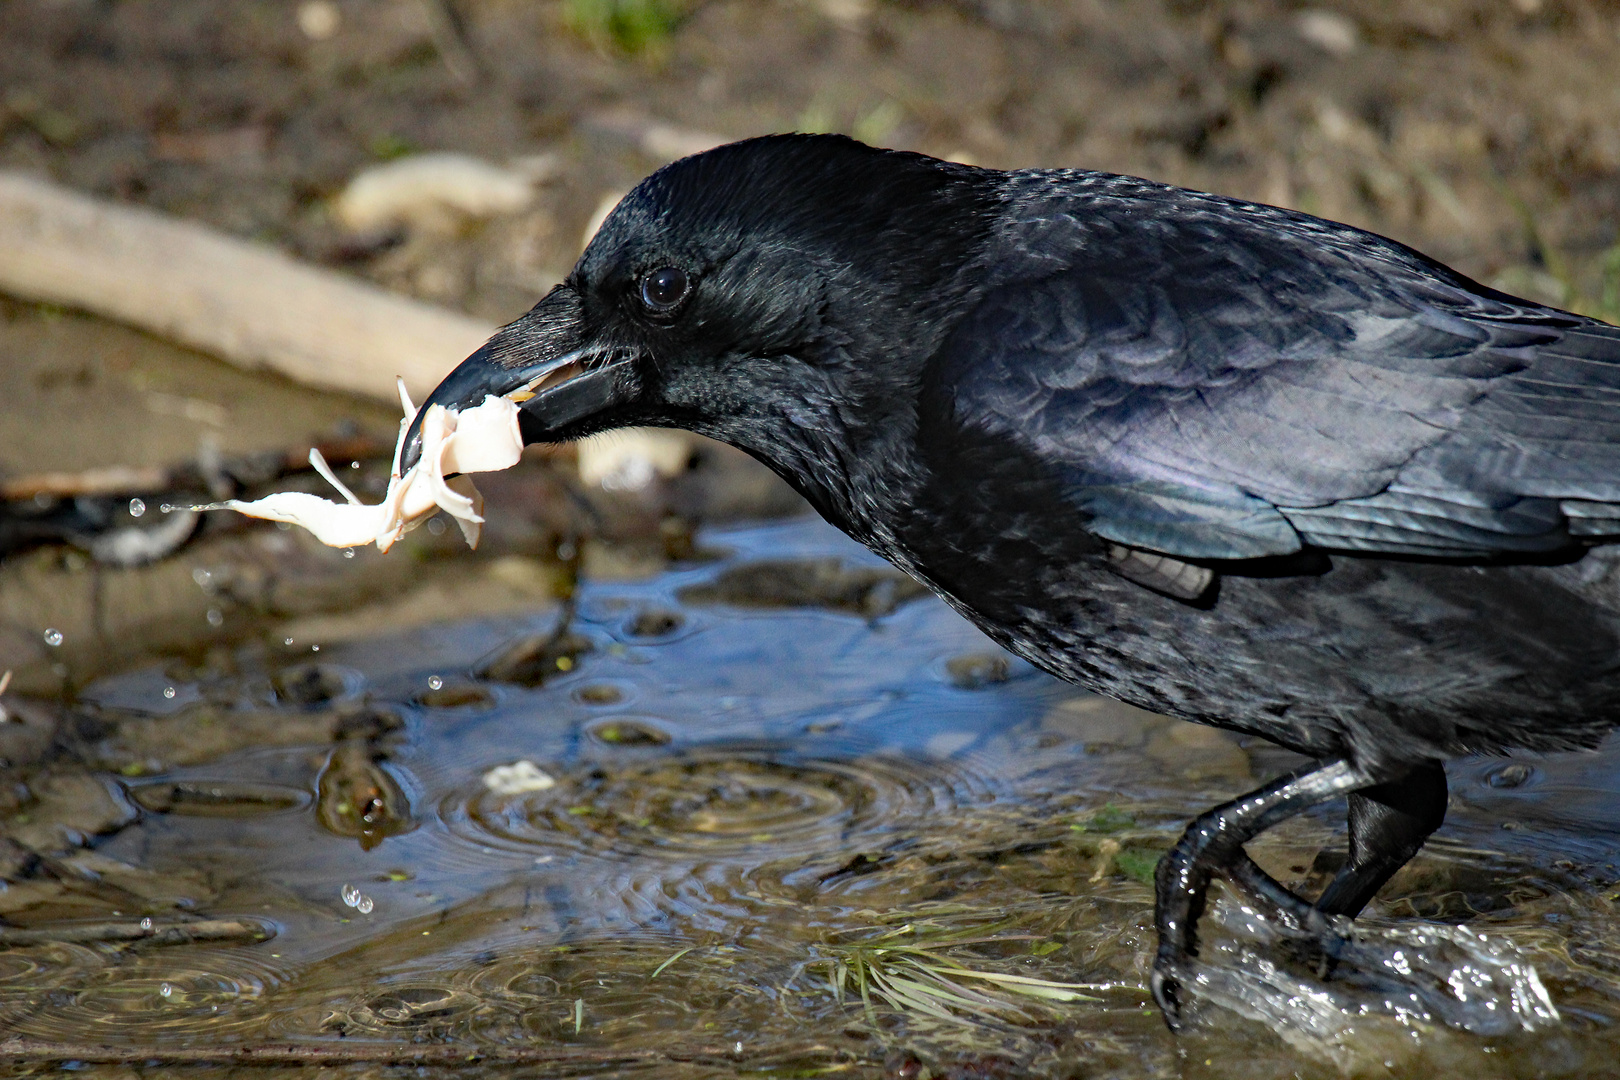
{"type": "Point", "coordinates": [166, 933]}
{"type": "Point", "coordinates": [356, 1051]}
{"type": "Point", "coordinates": [146, 480]}
{"type": "Point", "coordinates": [243, 302]}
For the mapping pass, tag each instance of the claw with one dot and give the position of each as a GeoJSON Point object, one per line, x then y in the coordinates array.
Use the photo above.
{"type": "Point", "coordinates": [1166, 992]}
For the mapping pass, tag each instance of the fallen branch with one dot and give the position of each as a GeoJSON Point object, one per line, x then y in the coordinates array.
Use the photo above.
{"type": "Point", "coordinates": [245, 303]}
{"type": "Point", "coordinates": [183, 933]}
{"type": "Point", "coordinates": [357, 1052]}
{"type": "Point", "coordinates": [124, 480]}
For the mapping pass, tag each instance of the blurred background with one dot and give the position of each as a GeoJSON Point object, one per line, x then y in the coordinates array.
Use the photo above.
{"type": "Point", "coordinates": [226, 225]}
{"type": "Point", "coordinates": [1484, 132]}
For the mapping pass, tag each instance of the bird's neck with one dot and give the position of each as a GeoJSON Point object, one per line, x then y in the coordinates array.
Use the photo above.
{"type": "Point", "coordinates": [854, 462]}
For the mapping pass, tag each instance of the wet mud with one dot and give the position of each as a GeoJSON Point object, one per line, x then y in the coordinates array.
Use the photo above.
{"type": "Point", "coordinates": [733, 835]}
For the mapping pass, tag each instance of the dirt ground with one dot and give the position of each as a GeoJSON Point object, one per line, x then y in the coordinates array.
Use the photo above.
{"type": "Point", "coordinates": [1485, 132]}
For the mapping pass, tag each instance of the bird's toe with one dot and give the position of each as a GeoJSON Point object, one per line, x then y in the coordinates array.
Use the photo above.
{"type": "Point", "coordinates": [1166, 985]}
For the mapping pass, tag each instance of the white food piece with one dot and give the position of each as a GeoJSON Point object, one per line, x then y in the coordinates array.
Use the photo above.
{"type": "Point", "coordinates": [518, 778]}
{"type": "Point", "coordinates": [484, 438]}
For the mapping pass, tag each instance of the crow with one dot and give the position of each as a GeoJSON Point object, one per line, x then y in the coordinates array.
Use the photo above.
{"type": "Point", "coordinates": [1220, 460]}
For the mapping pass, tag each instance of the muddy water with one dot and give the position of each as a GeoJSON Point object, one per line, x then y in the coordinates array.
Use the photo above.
{"type": "Point", "coordinates": [653, 843]}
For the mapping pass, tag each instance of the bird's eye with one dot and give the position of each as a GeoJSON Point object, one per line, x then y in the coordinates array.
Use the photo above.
{"type": "Point", "coordinates": [665, 287]}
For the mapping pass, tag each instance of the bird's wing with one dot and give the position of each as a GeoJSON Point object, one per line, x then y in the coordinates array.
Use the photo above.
{"type": "Point", "coordinates": [1218, 385]}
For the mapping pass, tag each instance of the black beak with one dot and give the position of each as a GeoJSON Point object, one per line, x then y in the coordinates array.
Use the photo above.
{"type": "Point", "coordinates": [541, 362]}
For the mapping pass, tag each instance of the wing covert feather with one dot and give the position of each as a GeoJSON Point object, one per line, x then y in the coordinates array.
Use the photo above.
{"type": "Point", "coordinates": [1212, 384]}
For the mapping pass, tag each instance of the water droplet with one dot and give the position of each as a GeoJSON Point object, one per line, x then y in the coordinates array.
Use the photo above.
{"type": "Point", "coordinates": [364, 905]}
{"type": "Point", "coordinates": [202, 577]}
{"type": "Point", "coordinates": [348, 553]}
{"type": "Point", "coordinates": [53, 637]}
{"type": "Point", "coordinates": [166, 990]}
{"type": "Point", "coordinates": [146, 923]}
{"type": "Point", "coordinates": [216, 617]}
{"type": "Point", "coordinates": [168, 692]}
{"type": "Point", "coordinates": [350, 894]}
{"type": "Point", "coordinates": [435, 683]}
{"type": "Point", "coordinates": [136, 507]}
{"type": "Point", "coordinates": [314, 648]}
{"type": "Point", "coordinates": [354, 464]}
{"type": "Point", "coordinates": [286, 641]}
{"type": "Point", "coordinates": [436, 526]}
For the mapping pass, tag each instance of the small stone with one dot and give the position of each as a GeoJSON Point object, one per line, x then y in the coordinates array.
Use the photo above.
{"type": "Point", "coordinates": [518, 778]}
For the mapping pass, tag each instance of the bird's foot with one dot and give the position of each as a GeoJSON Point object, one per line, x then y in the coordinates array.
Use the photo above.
{"type": "Point", "coordinates": [1214, 843]}
{"type": "Point", "coordinates": [1166, 982]}
{"type": "Point", "coordinates": [1309, 935]}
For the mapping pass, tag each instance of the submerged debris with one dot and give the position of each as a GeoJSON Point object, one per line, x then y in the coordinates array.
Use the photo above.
{"type": "Point", "coordinates": [872, 592]}
{"type": "Point", "coordinates": [533, 660]}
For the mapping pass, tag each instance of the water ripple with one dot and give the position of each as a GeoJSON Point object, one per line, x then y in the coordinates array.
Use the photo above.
{"type": "Point", "coordinates": [121, 997]}
{"type": "Point", "coordinates": [744, 804]}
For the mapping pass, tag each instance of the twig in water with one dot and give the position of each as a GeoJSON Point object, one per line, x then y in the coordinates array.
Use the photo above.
{"type": "Point", "coordinates": [359, 1052]}
{"type": "Point", "coordinates": [183, 933]}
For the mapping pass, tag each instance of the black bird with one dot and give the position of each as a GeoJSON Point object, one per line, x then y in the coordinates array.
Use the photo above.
{"type": "Point", "coordinates": [1220, 460]}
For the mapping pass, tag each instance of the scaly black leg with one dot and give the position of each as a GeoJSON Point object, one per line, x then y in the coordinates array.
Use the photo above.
{"type": "Point", "coordinates": [1388, 824]}
{"type": "Point", "coordinates": [1214, 842]}
{"type": "Point", "coordinates": [1296, 914]}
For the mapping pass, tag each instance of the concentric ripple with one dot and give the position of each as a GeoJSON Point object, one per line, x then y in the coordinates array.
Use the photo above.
{"type": "Point", "coordinates": [134, 998]}
{"type": "Point", "coordinates": [31, 974]}
{"type": "Point", "coordinates": [752, 803]}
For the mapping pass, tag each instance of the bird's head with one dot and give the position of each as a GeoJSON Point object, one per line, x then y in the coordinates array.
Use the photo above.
{"type": "Point", "coordinates": [774, 293]}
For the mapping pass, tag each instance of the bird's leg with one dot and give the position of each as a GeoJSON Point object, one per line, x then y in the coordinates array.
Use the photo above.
{"type": "Point", "coordinates": [1213, 842]}
{"type": "Point", "coordinates": [1388, 824]}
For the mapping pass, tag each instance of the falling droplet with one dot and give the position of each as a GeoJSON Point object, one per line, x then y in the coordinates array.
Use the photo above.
{"type": "Point", "coordinates": [202, 577]}
{"type": "Point", "coordinates": [348, 553]}
{"type": "Point", "coordinates": [216, 617]}
{"type": "Point", "coordinates": [168, 692]}
{"type": "Point", "coordinates": [166, 990]}
{"type": "Point", "coordinates": [350, 894]}
{"type": "Point", "coordinates": [364, 905]}
{"type": "Point", "coordinates": [435, 683]}
{"type": "Point", "coordinates": [137, 507]}
{"type": "Point", "coordinates": [286, 641]}
{"type": "Point", "coordinates": [354, 464]}
{"type": "Point", "coordinates": [53, 637]}
{"type": "Point", "coordinates": [146, 923]}
{"type": "Point", "coordinates": [314, 648]}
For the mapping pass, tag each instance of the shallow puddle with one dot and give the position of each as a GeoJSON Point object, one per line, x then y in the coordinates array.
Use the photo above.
{"type": "Point", "coordinates": [679, 836]}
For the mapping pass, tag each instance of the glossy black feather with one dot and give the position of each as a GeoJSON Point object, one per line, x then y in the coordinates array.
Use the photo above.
{"type": "Point", "coordinates": [1217, 380]}
{"type": "Point", "coordinates": [1224, 461]}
